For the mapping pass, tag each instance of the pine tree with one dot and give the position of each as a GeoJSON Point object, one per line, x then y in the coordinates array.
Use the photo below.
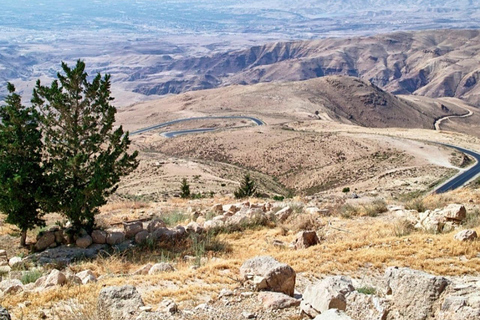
{"type": "Point", "coordinates": [247, 188]}
{"type": "Point", "coordinates": [86, 156]}
{"type": "Point", "coordinates": [185, 189]}
{"type": "Point", "coordinates": [21, 171]}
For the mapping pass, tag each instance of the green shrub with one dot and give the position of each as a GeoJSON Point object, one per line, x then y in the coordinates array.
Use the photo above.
{"type": "Point", "coordinates": [30, 276]}
{"type": "Point", "coordinates": [174, 218]}
{"type": "Point", "coordinates": [278, 198]}
{"type": "Point", "coordinates": [366, 290]}
{"type": "Point", "coordinates": [346, 190]}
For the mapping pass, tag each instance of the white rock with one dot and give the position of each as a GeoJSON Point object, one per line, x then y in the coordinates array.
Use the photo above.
{"type": "Point", "coordinates": [11, 286]}
{"type": "Point", "coordinates": [55, 278]}
{"type": "Point", "coordinates": [466, 235]}
{"type": "Point", "coordinates": [121, 303]}
{"type": "Point", "coordinates": [14, 261]}
{"type": "Point", "coordinates": [160, 268]}
{"type": "Point", "coordinates": [87, 276]}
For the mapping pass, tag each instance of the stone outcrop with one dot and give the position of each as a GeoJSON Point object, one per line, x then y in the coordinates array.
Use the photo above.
{"type": "Point", "coordinates": [11, 286]}
{"type": "Point", "coordinates": [132, 228]}
{"type": "Point", "coordinates": [119, 303]}
{"type": "Point", "coordinates": [305, 239]}
{"type": "Point", "coordinates": [269, 274]}
{"type": "Point", "coordinates": [466, 235]}
{"type": "Point", "coordinates": [99, 236]}
{"type": "Point", "coordinates": [441, 220]}
{"type": "Point", "coordinates": [367, 306]}
{"type": "Point", "coordinates": [44, 241]}
{"type": "Point", "coordinates": [283, 214]}
{"type": "Point", "coordinates": [277, 300]}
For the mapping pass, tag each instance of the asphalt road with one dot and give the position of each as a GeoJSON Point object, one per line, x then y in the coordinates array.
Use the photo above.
{"type": "Point", "coordinates": [462, 178]}
{"type": "Point", "coordinates": [172, 134]}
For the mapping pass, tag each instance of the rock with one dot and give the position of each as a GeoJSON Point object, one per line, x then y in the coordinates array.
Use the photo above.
{"type": "Point", "coordinates": [456, 212]}
{"type": "Point", "coordinates": [217, 208]}
{"type": "Point", "coordinates": [283, 214]}
{"type": "Point", "coordinates": [237, 220]}
{"type": "Point", "coordinates": [279, 277]}
{"type": "Point", "coordinates": [464, 304]}
{"type": "Point", "coordinates": [367, 306]}
{"type": "Point", "coordinates": [413, 292]}
{"type": "Point", "coordinates": [141, 237]}
{"type": "Point", "coordinates": [84, 242]}
{"type": "Point", "coordinates": [45, 241]}
{"type": "Point", "coordinates": [194, 227]}
{"type": "Point", "coordinates": [160, 268]}
{"type": "Point", "coordinates": [277, 300]}
{"type": "Point", "coordinates": [87, 276]}
{"type": "Point", "coordinates": [114, 238]}
{"type": "Point", "coordinates": [99, 236]}
{"type": "Point", "coordinates": [225, 293]}
{"type": "Point", "coordinates": [73, 279]}
{"type": "Point", "coordinates": [3, 258]}
{"type": "Point", "coordinates": [60, 236]}
{"type": "Point", "coordinates": [334, 314]}
{"type": "Point", "coordinates": [305, 239]}
{"type": "Point", "coordinates": [11, 286]}
{"type": "Point", "coordinates": [168, 306]}
{"type": "Point", "coordinates": [248, 315]}
{"type": "Point", "coordinates": [312, 210]}
{"type": "Point", "coordinates": [132, 228]}
{"type": "Point", "coordinates": [119, 303]}
{"type": "Point", "coordinates": [230, 208]}
{"type": "Point", "coordinates": [213, 224]}
{"type": "Point", "coordinates": [329, 293]}
{"type": "Point", "coordinates": [431, 221]}
{"type": "Point", "coordinates": [40, 282]}
{"type": "Point", "coordinates": [143, 270]}
{"type": "Point", "coordinates": [4, 315]}
{"type": "Point", "coordinates": [55, 278]}
{"type": "Point", "coordinates": [155, 224]}
{"type": "Point", "coordinates": [466, 235]}
{"type": "Point", "coordinates": [14, 262]}
{"type": "Point", "coordinates": [162, 235]}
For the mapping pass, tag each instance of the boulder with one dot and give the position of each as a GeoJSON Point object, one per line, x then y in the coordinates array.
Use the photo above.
{"type": "Point", "coordinates": [329, 293]}
{"type": "Point", "coordinates": [456, 212]}
{"type": "Point", "coordinates": [11, 286]}
{"type": "Point", "coordinates": [283, 214]}
{"type": "Point", "coordinates": [162, 235]}
{"type": "Point", "coordinates": [168, 306]}
{"type": "Point", "coordinates": [217, 208]}
{"type": "Point", "coordinates": [141, 237]}
{"type": "Point", "coordinates": [45, 241]}
{"type": "Point", "coordinates": [431, 221]}
{"type": "Point", "coordinates": [155, 224]}
{"type": "Point", "coordinates": [84, 242]}
{"type": "Point", "coordinates": [334, 314]}
{"type": "Point", "coordinates": [413, 292]}
{"type": "Point", "coordinates": [4, 315]}
{"type": "Point", "coordinates": [213, 224]}
{"type": "Point", "coordinates": [14, 262]}
{"type": "Point", "coordinates": [55, 278]}
{"type": "Point", "coordinates": [466, 235]}
{"type": "Point", "coordinates": [305, 239]}
{"type": "Point", "coordinates": [277, 300]}
{"type": "Point", "coordinates": [119, 303]}
{"type": "Point", "coordinates": [464, 304]}
{"type": "Point", "coordinates": [132, 228]}
{"type": "Point", "coordinates": [367, 306]}
{"type": "Point", "coordinates": [99, 237]}
{"type": "Point", "coordinates": [114, 238]}
{"type": "Point", "coordinates": [194, 227]}
{"type": "Point", "coordinates": [60, 236]}
{"type": "Point", "coordinates": [86, 276]}
{"type": "Point", "coordinates": [278, 277]}
{"type": "Point", "coordinates": [160, 268]}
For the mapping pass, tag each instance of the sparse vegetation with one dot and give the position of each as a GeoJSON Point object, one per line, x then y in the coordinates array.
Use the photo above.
{"type": "Point", "coordinates": [247, 188]}
{"type": "Point", "coordinates": [346, 190]}
{"type": "Point", "coordinates": [185, 189]}
{"type": "Point", "coordinates": [473, 218]}
{"type": "Point", "coordinates": [402, 228]}
{"type": "Point", "coordinates": [367, 290]}
{"type": "Point", "coordinates": [173, 218]}
{"type": "Point", "coordinates": [375, 208]}
{"type": "Point", "coordinates": [30, 276]}
{"type": "Point", "coordinates": [278, 198]}
{"type": "Point", "coordinates": [348, 211]}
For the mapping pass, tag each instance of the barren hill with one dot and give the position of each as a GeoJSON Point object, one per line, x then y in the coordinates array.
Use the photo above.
{"type": "Point", "coordinates": [431, 63]}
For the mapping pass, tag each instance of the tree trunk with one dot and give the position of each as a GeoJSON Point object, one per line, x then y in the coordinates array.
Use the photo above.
{"type": "Point", "coordinates": [23, 238]}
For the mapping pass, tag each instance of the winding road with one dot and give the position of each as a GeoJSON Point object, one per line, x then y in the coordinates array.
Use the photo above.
{"type": "Point", "coordinates": [439, 121]}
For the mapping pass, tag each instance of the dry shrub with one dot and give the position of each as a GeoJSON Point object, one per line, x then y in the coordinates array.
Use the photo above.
{"type": "Point", "coordinates": [402, 227]}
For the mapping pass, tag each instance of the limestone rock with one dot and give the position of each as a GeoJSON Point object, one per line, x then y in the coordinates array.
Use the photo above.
{"type": "Point", "coordinates": [4, 315]}
{"type": "Point", "coordinates": [55, 278]}
{"type": "Point", "coordinates": [119, 303]}
{"type": "Point", "coordinates": [114, 238]}
{"type": "Point", "coordinates": [11, 286]}
{"type": "Point", "coordinates": [87, 276]}
{"type": "Point", "coordinates": [162, 235]}
{"type": "Point", "coordinates": [305, 239]}
{"type": "Point", "coordinates": [84, 242]}
{"type": "Point", "coordinates": [168, 306]}
{"type": "Point", "coordinates": [155, 224]}
{"type": "Point", "coordinates": [14, 262]}
{"type": "Point", "coordinates": [277, 300]}
{"type": "Point", "coordinates": [329, 293]}
{"type": "Point", "coordinates": [141, 237]}
{"type": "Point", "coordinates": [160, 268]}
{"type": "Point", "coordinates": [132, 228]}
{"type": "Point", "coordinates": [217, 208]}
{"type": "Point", "coordinates": [45, 241]}
{"type": "Point", "coordinates": [194, 227]}
{"type": "Point", "coordinates": [466, 235]}
{"type": "Point", "coordinates": [279, 277]}
{"type": "Point", "coordinates": [283, 214]}
{"type": "Point", "coordinates": [99, 237]}
{"type": "Point", "coordinates": [213, 224]}
{"type": "Point", "coordinates": [334, 314]}
{"type": "Point", "coordinates": [367, 306]}
{"type": "Point", "coordinates": [143, 270]}
{"type": "Point", "coordinates": [413, 292]}
{"type": "Point", "coordinates": [456, 212]}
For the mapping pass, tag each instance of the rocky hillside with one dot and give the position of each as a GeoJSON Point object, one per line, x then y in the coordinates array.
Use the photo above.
{"type": "Point", "coordinates": [431, 63]}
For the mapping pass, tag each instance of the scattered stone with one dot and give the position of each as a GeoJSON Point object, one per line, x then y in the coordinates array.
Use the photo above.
{"type": "Point", "coordinates": [55, 278]}
{"type": "Point", "coordinates": [194, 227]}
{"type": "Point", "coordinates": [143, 270]}
{"type": "Point", "coordinates": [141, 237]}
{"type": "Point", "coordinates": [168, 306]}
{"type": "Point", "coordinates": [99, 236]}
{"type": "Point", "coordinates": [14, 262]}
{"type": "Point", "coordinates": [277, 300]}
{"type": "Point", "coordinates": [248, 315]}
{"type": "Point", "coordinates": [466, 235]}
{"type": "Point", "coordinates": [11, 286]}
{"type": "Point", "coordinates": [145, 309]}
{"type": "Point", "coordinates": [45, 241]}
{"type": "Point", "coordinates": [162, 235]}
{"type": "Point", "coordinates": [73, 279]}
{"type": "Point", "coordinates": [333, 314]}
{"type": "Point", "coordinates": [160, 268]}
{"type": "Point", "coordinates": [279, 277]}
{"type": "Point", "coordinates": [4, 315]}
{"type": "Point", "coordinates": [305, 239]}
{"type": "Point", "coordinates": [132, 228]}
{"type": "Point", "coordinates": [413, 292]}
{"type": "Point", "coordinates": [84, 242]}
{"type": "Point", "coordinates": [329, 293]}
{"type": "Point", "coordinates": [279, 244]}
{"type": "Point", "coordinates": [283, 214]}
{"type": "Point", "coordinates": [225, 293]}
{"type": "Point", "coordinates": [456, 212]}
{"type": "Point", "coordinates": [114, 238]}
{"type": "Point", "coordinates": [120, 303]}
{"type": "Point", "coordinates": [87, 276]}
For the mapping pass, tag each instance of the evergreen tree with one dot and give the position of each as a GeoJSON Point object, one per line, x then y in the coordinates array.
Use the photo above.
{"type": "Point", "coordinates": [247, 188]}
{"type": "Point", "coordinates": [185, 189]}
{"type": "Point", "coordinates": [21, 172]}
{"type": "Point", "coordinates": [86, 155]}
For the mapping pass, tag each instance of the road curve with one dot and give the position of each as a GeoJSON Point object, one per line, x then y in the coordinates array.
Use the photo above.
{"type": "Point", "coordinates": [439, 121]}
{"type": "Point", "coordinates": [464, 176]}
{"type": "Point", "coordinates": [172, 134]}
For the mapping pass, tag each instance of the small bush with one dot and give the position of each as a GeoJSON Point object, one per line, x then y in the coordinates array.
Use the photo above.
{"type": "Point", "coordinates": [348, 211]}
{"type": "Point", "coordinates": [416, 204]}
{"type": "Point", "coordinates": [30, 276]}
{"type": "Point", "coordinates": [174, 218]}
{"type": "Point", "coordinates": [278, 198]}
{"type": "Point", "coordinates": [402, 227]}
{"type": "Point", "coordinates": [346, 190]}
{"type": "Point", "coordinates": [247, 188]}
{"type": "Point", "coordinates": [375, 208]}
{"type": "Point", "coordinates": [185, 189]}
{"type": "Point", "coordinates": [367, 290]}
{"type": "Point", "coordinates": [472, 219]}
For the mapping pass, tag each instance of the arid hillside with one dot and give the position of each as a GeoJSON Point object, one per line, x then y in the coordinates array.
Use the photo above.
{"type": "Point", "coordinates": [431, 63]}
